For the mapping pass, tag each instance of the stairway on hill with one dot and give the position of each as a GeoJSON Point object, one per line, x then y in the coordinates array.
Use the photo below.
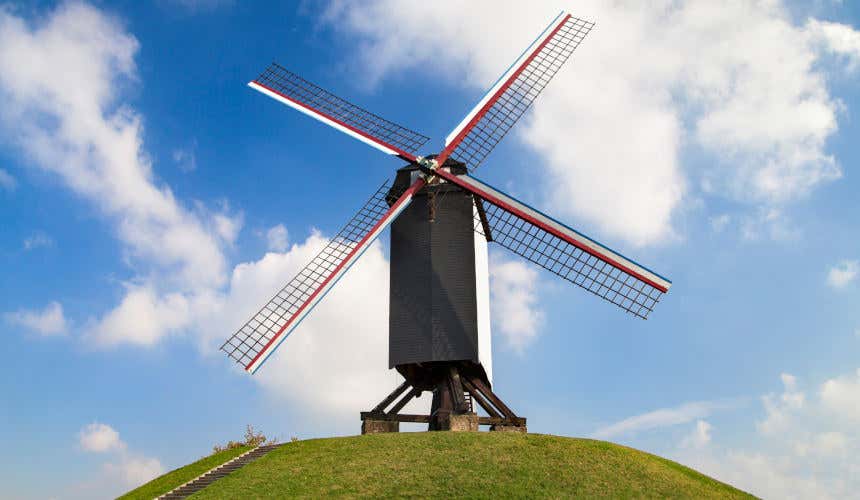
{"type": "Point", "coordinates": [217, 473]}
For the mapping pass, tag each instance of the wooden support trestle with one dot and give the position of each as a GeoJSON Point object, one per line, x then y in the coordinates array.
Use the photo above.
{"type": "Point", "coordinates": [450, 408]}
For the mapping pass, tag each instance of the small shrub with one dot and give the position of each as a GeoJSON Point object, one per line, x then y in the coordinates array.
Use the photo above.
{"type": "Point", "coordinates": [251, 439]}
{"type": "Point", "coordinates": [229, 446]}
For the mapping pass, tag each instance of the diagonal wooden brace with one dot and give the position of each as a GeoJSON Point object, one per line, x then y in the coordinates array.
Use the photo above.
{"type": "Point", "coordinates": [380, 408]}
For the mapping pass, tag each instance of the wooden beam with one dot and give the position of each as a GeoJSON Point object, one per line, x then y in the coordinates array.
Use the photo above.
{"type": "Point", "coordinates": [414, 393]}
{"type": "Point", "coordinates": [482, 214]}
{"type": "Point", "coordinates": [418, 419]}
{"type": "Point", "coordinates": [498, 403]}
{"type": "Point", "coordinates": [380, 408]}
{"type": "Point", "coordinates": [425, 419]}
{"type": "Point", "coordinates": [480, 399]}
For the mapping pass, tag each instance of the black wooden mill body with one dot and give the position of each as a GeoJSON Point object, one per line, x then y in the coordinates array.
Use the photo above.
{"type": "Point", "coordinates": [439, 332]}
{"type": "Point", "coordinates": [434, 280]}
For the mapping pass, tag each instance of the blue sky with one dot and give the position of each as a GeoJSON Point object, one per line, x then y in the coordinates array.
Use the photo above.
{"type": "Point", "coordinates": [149, 201]}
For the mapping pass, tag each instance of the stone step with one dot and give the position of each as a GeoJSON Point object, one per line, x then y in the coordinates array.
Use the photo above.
{"type": "Point", "coordinates": [210, 476]}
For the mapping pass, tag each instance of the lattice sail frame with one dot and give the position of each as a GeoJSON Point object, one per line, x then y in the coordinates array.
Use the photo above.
{"type": "Point", "coordinates": [311, 99]}
{"type": "Point", "coordinates": [251, 345]}
{"type": "Point", "coordinates": [562, 250]}
{"type": "Point", "coordinates": [512, 95]}
{"type": "Point", "coordinates": [569, 262]}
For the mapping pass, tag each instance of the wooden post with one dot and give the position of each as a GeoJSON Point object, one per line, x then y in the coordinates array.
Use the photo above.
{"type": "Point", "coordinates": [442, 397]}
{"type": "Point", "coordinates": [459, 399]}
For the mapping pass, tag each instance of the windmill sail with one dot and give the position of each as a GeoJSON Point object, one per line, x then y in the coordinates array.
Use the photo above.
{"type": "Point", "coordinates": [302, 95]}
{"type": "Point", "coordinates": [499, 217]}
{"type": "Point", "coordinates": [562, 250]}
{"type": "Point", "coordinates": [255, 341]}
{"type": "Point", "coordinates": [506, 101]}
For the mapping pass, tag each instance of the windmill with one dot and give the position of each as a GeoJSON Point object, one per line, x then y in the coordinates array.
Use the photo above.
{"type": "Point", "coordinates": [442, 219]}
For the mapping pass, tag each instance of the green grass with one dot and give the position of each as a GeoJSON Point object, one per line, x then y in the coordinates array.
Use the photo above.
{"type": "Point", "coordinates": [182, 475]}
{"type": "Point", "coordinates": [475, 465]}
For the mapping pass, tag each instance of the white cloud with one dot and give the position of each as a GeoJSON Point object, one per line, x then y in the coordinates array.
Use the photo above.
{"type": "Point", "coordinates": [720, 222]}
{"type": "Point", "coordinates": [837, 39]}
{"type": "Point", "coordinates": [780, 409]}
{"type": "Point", "coordinates": [276, 238]}
{"type": "Point", "coordinates": [664, 417]}
{"type": "Point", "coordinates": [185, 159]}
{"type": "Point", "coordinates": [100, 438]}
{"type": "Point", "coordinates": [768, 222]}
{"type": "Point", "coordinates": [332, 364]}
{"type": "Point", "coordinates": [135, 471]}
{"type": "Point", "coordinates": [93, 142]}
{"type": "Point", "coordinates": [89, 139]}
{"type": "Point", "coordinates": [126, 470]}
{"type": "Point", "coordinates": [804, 447]}
{"type": "Point", "coordinates": [699, 437]}
{"type": "Point", "coordinates": [48, 322]}
{"type": "Point", "coordinates": [353, 354]}
{"type": "Point", "coordinates": [841, 397]}
{"type": "Point", "coordinates": [227, 227]}
{"type": "Point", "coordinates": [142, 318]}
{"type": "Point", "coordinates": [7, 182]}
{"type": "Point", "coordinates": [762, 474]}
{"type": "Point", "coordinates": [843, 273]}
{"type": "Point", "coordinates": [514, 302]}
{"type": "Point", "coordinates": [826, 444]}
{"type": "Point", "coordinates": [37, 240]}
{"type": "Point", "coordinates": [647, 85]}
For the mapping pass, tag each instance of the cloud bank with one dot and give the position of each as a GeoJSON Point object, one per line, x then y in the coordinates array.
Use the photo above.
{"type": "Point", "coordinates": [651, 88]}
{"type": "Point", "coordinates": [802, 442]}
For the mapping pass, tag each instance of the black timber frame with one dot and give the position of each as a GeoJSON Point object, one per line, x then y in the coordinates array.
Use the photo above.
{"type": "Point", "coordinates": [449, 383]}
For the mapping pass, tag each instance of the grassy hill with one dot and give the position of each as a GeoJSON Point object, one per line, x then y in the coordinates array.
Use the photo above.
{"type": "Point", "coordinates": [444, 464]}
{"type": "Point", "coordinates": [182, 475]}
